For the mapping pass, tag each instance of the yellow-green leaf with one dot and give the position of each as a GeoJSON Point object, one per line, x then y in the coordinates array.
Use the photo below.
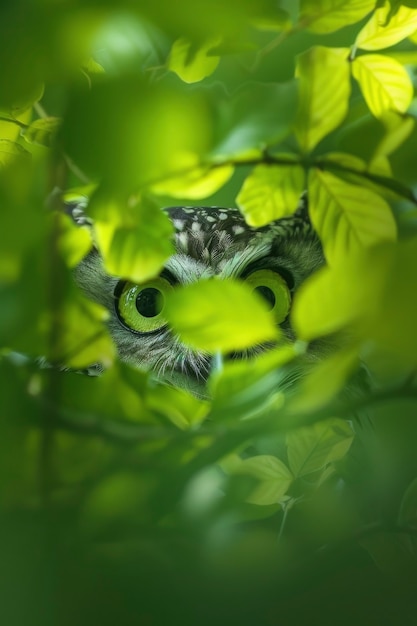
{"type": "Point", "coordinates": [324, 81]}
{"type": "Point", "coordinates": [219, 315]}
{"type": "Point", "coordinates": [326, 16]}
{"type": "Point", "coordinates": [199, 182]}
{"type": "Point", "coordinates": [380, 32]}
{"type": "Point", "coordinates": [192, 64]}
{"type": "Point", "coordinates": [347, 217]}
{"type": "Point", "coordinates": [134, 239]}
{"type": "Point", "coordinates": [311, 448]}
{"type": "Point", "coordinates": [385, 84]}
{"type": "Point", "coordinates": [273, 476]}
{"type": "Point", "coordinates": [73, 242]}
{"type": "Point", "coordinates": [397, 130]}
{"type": "Point", "coordinates": [41, 131]}
{"type": "Point", "coordinates": [271, 192]}
{"type": "Point", "coordinates": [11, 151]}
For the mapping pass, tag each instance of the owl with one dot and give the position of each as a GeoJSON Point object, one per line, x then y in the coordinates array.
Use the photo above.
{"type": "Point", "coordinates": [209, 241]}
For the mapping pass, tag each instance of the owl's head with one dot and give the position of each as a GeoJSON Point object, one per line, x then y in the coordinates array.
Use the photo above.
{"type": "Point", "coordinates": [209, 241]}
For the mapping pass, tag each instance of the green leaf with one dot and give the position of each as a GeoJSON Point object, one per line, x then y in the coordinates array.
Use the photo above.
{"type": "Point", "coordinates": [273, 476]}
{"type": "Point", "coordinates": [270, 192]}
{"type": "Point", "coordinates": [324, 82]}
{"type": "Point", "coordinates": [10, 151]}
{"type": "Point", "coordinates": [134, 238]}
{"type": "Point", "coordinates": [312, 448]}
{"type": "Point", "coordinates": [219, 315]}
{"type": "Point", "coordinates": [259, 115]}
{"type": "Point", "coordinates": [199, 182]}
{"type": "Point", "coordinates": [73, 242]}
{"type": "Point", "coordinates": [397, 130]}
{"type": "Point", "coordinates": [190, 63]}
{"type": "Point", "coordinates": [385, 84]}
{"type": "Point", "coordinates": [325, 380]}
{"type": "Point", "coordinates": [326, 16]}
{"type": "Point", "coordinates": [408, 509]}
{"type": "Point", "coordinates": [347, 217]}
{"type": "Point", "coordinates": [42, 131]}
{"type": "Point", "coordinates": [382, 31]}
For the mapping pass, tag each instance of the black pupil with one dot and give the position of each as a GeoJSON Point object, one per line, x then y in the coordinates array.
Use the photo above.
{"type": "Point", "coordinates": [267, 294]}
{"type": "Point", "coordinates": [149, 302]}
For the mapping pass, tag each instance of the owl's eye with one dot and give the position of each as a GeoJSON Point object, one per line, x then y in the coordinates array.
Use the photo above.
{"type": "Point", "coordinates": [273, 288]}
{"type": "Point", "coordinates": [141, 307]}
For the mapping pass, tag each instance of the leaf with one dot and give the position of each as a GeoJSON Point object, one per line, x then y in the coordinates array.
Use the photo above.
{"type": "Point", "coordinates": [219, 315]}
{"type": "Point", "coordinates": [270, 192]}
{"type": "Point", "coordinates": [134, 240]}
{"type": "Point", "coordinates": [199, 182]}
{"type": "Point", "coordinates": [273, 475]}
{"type": "Point", "coordinates": [385, 84]}
{"type": "Point", "coordinates": [325, 380]}
{"type": "Point", "coordinates": [10, 151]}
{"type": "Point", "coordinates": [346, 216]}
{"type": "Point", "coordinates": [397, 130]}
{"type": "Point", "coordinates": [74, 242]}
{"type": "Point", "coordinates": [259, 115]}
{"type": "Point", "coordinates": [312, 448]}
{"type": "Point", "coordinates": [408, 509]}
{"type": "Point", "coordinates": [324, 93]}
{"type": "Point", "coordinates": [190, 63]}
{"type": "Point", "coordinates": [326, 16]}
{"type": "Point", "coordinates": [42, 131]}
{"type": "Point", "coordinates": [382, 31]}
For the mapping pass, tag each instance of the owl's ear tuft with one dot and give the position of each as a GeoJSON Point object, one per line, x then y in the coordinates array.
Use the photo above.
{"type": "Point", "coordinates": [302, 208]}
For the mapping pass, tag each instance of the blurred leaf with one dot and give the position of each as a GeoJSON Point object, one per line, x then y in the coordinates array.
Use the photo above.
{"type": "Point", "coordinates": [134, 236]}
{"type": "Point", "coordinates": [11, 151]}
{"type": "Point", "coordinates": [193, 64]}
{"type": "Point", "coordinates": [132, 133]}
{"type": "Point", "coordinates": [310, 449]}
{"type": "Point", "coordinates": [397, 130]}
{"type": "Point", "coordinates": [74, 242]}
{"type": "Point", "coordinates": [273, 18]}
{"type": "Point", "coordinates": [270, 192]}
{"type": "Point", "coordinates": [324, 93]}
{"type": "Point", "coordinates": [325, 380]}
{"type": "Point", "coordinates": [383, 30]}
{"type": "Point", "coordinates": [273, 476]}
{"type": "Point", "coordinates": [326, 16]}
{"type": "Point", "coordinates": [199, 182]}
{"type": "Point", "coordinates": [258, 115]}
{"type": "Point", "coordinates": [12, 129]}
{"type": "Point", "coordinates": [218, 315]}
{"type": "Point", "coordinates": [385, 84]}
{"type": "Point", "coordinates": [408, 509]}
{"type": "Point", "coordinates": [42, 131]}
{"type": "Point", "coordinates": [346, 216]}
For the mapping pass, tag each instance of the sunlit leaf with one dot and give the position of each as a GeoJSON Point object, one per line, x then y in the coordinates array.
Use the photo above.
{"type": "Point", "coordinates": [397, 130]}
{"type": "Point", "coordinates": [324, 84]}
{"type": "Point", "coordinates": [312, 448]}
{"type": "Point", "coordinates": [382, 31]}
{"type": "Point", "coordinates": [219, 315]}
{"type": "Point", "coordinates": [134, 238]}
{"type": "Point", "coordinates": [11, 151]}
{"type": "Point", "coordinates": [74, 241]}
{"type": "Point", "coordinates": [326, 16]}
{"type": "Point", "coordinates": [270, 192]}
{"type": "Point", "coordinates": [347, 216]}
{"type": "Point", "coordinates": [190, 63]}
{"type": "Point", "coordinates": [199, 182]}
{"type": "Point", "coordinates": [42, 131]}
{"type": "Point", "coordinates": [385, 84]}
{"type": "Point", "coordinates": [273, 475]}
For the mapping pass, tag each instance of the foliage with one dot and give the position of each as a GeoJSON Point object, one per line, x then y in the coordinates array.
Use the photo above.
{"type": "Point", "coordinates": [290, 491]}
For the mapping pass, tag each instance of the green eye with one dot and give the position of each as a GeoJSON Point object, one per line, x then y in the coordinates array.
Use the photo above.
{"type": "Point", "coordinates": [273, 288]}
{"type": "Point", "coordinates": [141, 307]}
